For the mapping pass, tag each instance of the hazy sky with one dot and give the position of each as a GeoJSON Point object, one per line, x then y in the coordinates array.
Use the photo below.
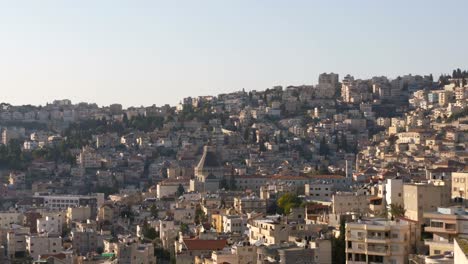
{"type": "Point", "coordinates": [155, 52]}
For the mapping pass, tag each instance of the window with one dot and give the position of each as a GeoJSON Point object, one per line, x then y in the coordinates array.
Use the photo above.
{"type": "Point", "coordinates": [449, 226]}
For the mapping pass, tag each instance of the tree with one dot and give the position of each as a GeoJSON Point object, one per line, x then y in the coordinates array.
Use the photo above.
{"type": "Point", "coordinates": [99, 250]}
{"type": "Point", "coordinates": [223, 184]}
{"type": "Point", "coordinates": [184, 228]}
{"type": "Point", "coordinates": [397, 210]}
{"type": "Point", "coordinates": [148, 231]}
{"type": "Point", "coordinates": [323, 150]}
{"type": "Point", "coordinates": [261, 146]}
{"type": "Point", "coordinates": [154, 211]}
{"type": "Point", "coordinates": [180, 190]}
{"type": "Point", "coordinates": [339, 245]}
{"type": "Point", "coordinates": [200, 216]}
{"type": "Point", "coordinates": [288, 201]}
{"type": "Point", "coordinates": [232, 183]}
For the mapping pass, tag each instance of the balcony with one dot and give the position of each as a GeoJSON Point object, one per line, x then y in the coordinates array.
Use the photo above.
{"type": "Point", "coordinates": [438, 244]}
{"type": "Point", "coordinates": [447, 230]}
{"type": "Point", "coordinates": [381, 238]}
{"type": "Point", "coordinates": [378, 250]}
{"type": "Point", "coordinates": [355, 238]}
{"type": "Point", "coordinates": [356, 250]}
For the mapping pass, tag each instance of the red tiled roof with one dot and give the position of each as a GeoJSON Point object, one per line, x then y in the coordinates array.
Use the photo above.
{"type": "Point", "coordinates": [204, 244]}
{"type": "Point", "coordinates": [327, 177]}
{"type": "Point", "coordinates": [281, 177]}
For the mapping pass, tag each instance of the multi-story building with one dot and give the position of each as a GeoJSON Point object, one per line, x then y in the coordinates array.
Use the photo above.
{"type": "Point", "coordinates": [445, 224]}
{"type": "Point", "coordinates": [276, 230]}
{"type": "Point", "coordinates": [329, 78]}
{"type": "Point", "coordinates": [78, 214]}
{"type": "Point", "coordinates": [378, 241]}
{"type": "Point", "coordinates": [234, 224]}
{"type": "Point", "coordinates": [319, 190]}
{"type": "Point", "coordinates": [8, 218]}
{"type": "Point", "coordinates": [394, 192]}
{"type": "Point", "coordinates": [16, 241]}
{"type": "Point", "coordinates": [17, 178]}
{"type": "Point", "coordinates": [40, 245]}
{"type": "Point", "coordinates": [12, 133]}
{"type": "Point", "coordinates": [169, 187]}
{"type": "Point", "coordinates": [84, 240]}
{"type": "Point", "coordinates": [129, 251]}
{"type": "Point", "coordinates": [424, 197]}
{"type": "Point", "coordinates": [344, 202]}
{"type": "Point", "coordinates": [460, 186]}
{"type": "Point", "coordinates": [51, 224]}
{"type": "Point", "coordinates": [64, 201]}
{"type": "Point", "coordinates": [88, 158]}
{"type": "Point", "coordinates": [250, 204]}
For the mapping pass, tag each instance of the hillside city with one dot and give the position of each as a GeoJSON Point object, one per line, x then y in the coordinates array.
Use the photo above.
{"type": "Point", "coordinates": [345, 170]}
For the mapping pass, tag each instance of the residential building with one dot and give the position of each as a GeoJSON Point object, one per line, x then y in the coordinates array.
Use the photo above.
{"type": "Point", "coordinates": [424, 197]}
{"type": "Point", "coordinates": [378, 241]}
{"type": "Point", "coordinates": [38, 245]}
{"type": "Point", "coordinates": [445, 224]}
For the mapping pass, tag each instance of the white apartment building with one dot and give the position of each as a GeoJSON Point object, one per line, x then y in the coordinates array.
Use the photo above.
{"type": "Point", "coordinates": [234, 224]}
{"type": "Point", "coordinates": [393, 192]}
{"type": "Point", "coordinates": [62, 202]}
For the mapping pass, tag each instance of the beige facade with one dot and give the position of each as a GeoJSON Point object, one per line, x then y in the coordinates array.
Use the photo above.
{"type": "Point", "coordinates": [378, 241]}
{"type": "Point", "coordinates": [343, 202]}
{"type": "Point", "coordinates": [129, 253]}
{"type": "Point", "coordinates": [460, 186]}
{"type": "Point", "coordinates": [40, 245]}
{"type": "Point", "coordinates": [461, 251]}
{"type": "Point", "coordinates": [446, 224]}
{"type": "Point", "coordinates": [271, 230]}
{"type": "Point", "coordinates": [16, 241]}
{"type": "Point", "coordinates": [7, 218]}
{"type": "Point", "coordinates": [424, 197]}
{"type": "Point", "coordinates": [78, 214]}
{"type": "Point", "coordinates": [250, 204]}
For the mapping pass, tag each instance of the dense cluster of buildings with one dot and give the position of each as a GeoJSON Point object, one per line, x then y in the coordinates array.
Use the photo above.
{"type": "Point", "coordinates": [375, 170]}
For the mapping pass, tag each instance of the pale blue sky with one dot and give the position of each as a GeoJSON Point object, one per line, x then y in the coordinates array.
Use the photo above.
{"type": "Point", "coordinates": [155, 52]}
